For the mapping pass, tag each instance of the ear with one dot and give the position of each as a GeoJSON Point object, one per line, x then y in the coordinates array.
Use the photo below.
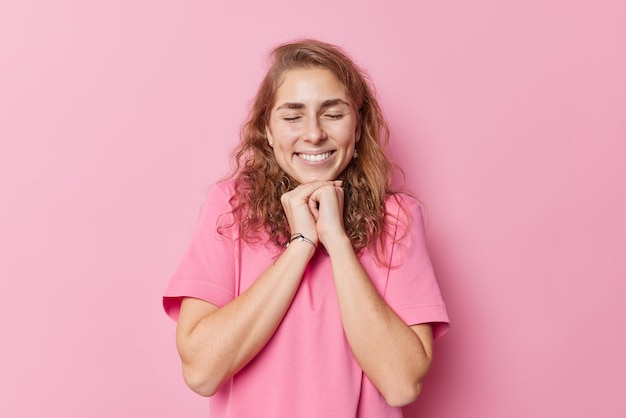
{"type": "Point", "coordinates": [270, 138]}
{"type": "Point", "coordinates": [357, 134]}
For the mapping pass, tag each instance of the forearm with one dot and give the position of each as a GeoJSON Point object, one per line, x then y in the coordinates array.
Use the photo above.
{"type": "Point", "coordinates": [390, 353]}
{"type": "Point", "coordinates": [214, 346]}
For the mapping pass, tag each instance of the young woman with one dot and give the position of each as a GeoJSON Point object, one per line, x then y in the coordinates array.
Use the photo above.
{"type": "Point", "coordinates": [307, 290]}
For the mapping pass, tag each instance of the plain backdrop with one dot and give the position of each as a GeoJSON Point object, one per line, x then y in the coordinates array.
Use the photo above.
{"type": "Point", "coordinates": [508, 118]}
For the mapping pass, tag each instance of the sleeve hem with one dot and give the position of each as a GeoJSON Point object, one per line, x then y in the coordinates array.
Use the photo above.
{"type": "Point", "coordinates": [179, 289]}
{"type": "Point", "coordinates": [436, 315]}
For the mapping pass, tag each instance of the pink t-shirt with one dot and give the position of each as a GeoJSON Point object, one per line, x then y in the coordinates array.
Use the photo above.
{"type": "Point", "coordinates": [307, 369]}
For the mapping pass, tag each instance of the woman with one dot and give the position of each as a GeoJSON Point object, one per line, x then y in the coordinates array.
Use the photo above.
{"type": "Point", "coordinates": [307, 290]}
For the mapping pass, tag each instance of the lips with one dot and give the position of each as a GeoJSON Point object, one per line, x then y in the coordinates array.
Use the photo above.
{"type": "Point", "coordinates": [315, 157]}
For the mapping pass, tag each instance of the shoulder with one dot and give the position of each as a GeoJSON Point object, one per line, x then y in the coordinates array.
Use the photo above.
{"type": "Point", "coordinates": [222, 188]}
{"type": "Point", "coordinates": [401, 200]}
{"type": "Point", "coordinates": [219, 195]}
{"type": "Point", "coordinates": [405, 215]}
{"type": "Point", "coordinates": [403, 206]}
{"type": "Point", "coordinates": [216, 208]}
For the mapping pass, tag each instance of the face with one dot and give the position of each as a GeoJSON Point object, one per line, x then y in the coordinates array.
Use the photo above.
{"type": "Point", "coordinates": [313, 126]}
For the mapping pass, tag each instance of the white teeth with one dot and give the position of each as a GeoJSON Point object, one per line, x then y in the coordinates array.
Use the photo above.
{"type": "Point", "coordinates": [315, 157]}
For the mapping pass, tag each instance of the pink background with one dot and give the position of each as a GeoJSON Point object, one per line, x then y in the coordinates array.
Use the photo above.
{"type": "Point", "coordinates": [508, 117]}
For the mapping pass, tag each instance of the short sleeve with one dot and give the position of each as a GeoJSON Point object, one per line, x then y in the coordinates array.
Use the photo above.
{"type": "Point", "coordinates": [412, 288]}
{"type": "Point", "coordinates": [207, 268]}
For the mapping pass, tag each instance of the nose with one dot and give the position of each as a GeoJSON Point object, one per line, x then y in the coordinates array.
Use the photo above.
{"type": "Point", "coordinates": [313, 131]}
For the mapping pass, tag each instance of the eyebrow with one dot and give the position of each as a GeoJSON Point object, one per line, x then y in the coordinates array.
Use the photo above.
{"type": "Point", "coordinates": [325, 103]}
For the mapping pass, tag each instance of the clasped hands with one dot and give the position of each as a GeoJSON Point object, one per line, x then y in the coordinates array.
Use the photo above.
{"type": "Point", "coordinates": [315, 210]}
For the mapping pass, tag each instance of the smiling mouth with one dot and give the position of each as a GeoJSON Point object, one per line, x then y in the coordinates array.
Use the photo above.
{"type": "Point", "coordinates": [315, 157]}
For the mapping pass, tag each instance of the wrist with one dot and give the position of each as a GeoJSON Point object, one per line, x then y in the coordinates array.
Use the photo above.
{"type": "Point", "coordinates": [337, 243]}
{"type": "Point", "coordinates": [298, 237]}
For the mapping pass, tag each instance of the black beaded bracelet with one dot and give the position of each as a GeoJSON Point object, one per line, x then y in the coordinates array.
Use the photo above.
{"type": "Point", "coordinates": [298, 236]}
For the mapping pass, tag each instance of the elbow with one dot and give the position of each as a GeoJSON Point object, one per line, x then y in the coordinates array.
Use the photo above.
{"type": "Point", "coordinates": [404, 390]}
{"type": "Point", "coordinates": [201, 383]}
{"type": "Point", "coordinates": [403, 395]}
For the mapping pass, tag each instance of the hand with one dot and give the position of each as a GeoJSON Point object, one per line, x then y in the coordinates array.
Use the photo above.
{"type": "Point", "coordinates": [326, 205]}
{"type": "Point", "coordinates": [301, 216]}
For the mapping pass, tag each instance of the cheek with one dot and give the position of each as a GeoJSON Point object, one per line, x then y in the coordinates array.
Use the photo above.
{"type": "Point", "coordinates": [348, 133]}
{"type": "Point", "coordinates": [281, 142]}
{"type": "Point", "coordinates": [286, 136]}
{"type": "Point", "coordinates": [349, 128]}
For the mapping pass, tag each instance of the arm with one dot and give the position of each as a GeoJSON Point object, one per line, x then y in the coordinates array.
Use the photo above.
{"type": "Point", "coordinates": [214, 343]}
{"type": "Point", "coordinates": [394, 356]}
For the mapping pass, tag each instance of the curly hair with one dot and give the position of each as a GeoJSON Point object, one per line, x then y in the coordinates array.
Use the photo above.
{"type": "Point", "coordinates": [260, 181]}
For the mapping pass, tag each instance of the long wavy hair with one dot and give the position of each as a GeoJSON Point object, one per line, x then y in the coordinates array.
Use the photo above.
{"type": "Point", "coordinates": [259, 180]}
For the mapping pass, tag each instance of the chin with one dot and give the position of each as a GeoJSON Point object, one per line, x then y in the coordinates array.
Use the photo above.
{"type": "Point", "coordinates": [318, 178]}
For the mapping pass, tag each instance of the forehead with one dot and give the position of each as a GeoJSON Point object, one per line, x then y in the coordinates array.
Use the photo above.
{"type": "Point", "coordinates": [309, 84]}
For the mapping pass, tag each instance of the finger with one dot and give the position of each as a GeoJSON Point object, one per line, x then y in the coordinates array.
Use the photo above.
{"type": "Point", "coordinates": [314, 207]}
{"type": "Point", "coordinates": [328, 200]}
{"type": "Point", "coordinates": [340, 193]}
{"type": "Point", "coordinates": [303, 192]}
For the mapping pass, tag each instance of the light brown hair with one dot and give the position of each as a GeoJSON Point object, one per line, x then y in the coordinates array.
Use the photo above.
{"type": "Point", "coordinates": [259, 180]}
